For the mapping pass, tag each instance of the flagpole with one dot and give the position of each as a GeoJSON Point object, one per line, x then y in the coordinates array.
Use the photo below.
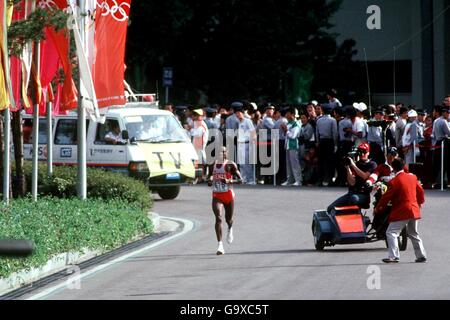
{"type": "Point", "coordinates": [6, 119]}
{"type": "Point", "coordinates": [49, 138]}
{"type": "Point", "coordinates": [35, 134]}
{"type": "Point", "coordinates": [6, 156]}
{"type": "Point", "coordinates": [82, 176]}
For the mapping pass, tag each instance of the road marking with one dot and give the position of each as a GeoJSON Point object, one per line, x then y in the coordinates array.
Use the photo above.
{"type": "Point", "coordinates": [188, 226]}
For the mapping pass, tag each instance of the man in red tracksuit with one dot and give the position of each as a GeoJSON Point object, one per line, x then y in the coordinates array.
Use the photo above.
{"type": "Point", "coordinates": [407, 196]}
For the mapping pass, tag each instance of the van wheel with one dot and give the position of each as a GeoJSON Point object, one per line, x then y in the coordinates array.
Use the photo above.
{"type": "Point", "coordinates": [169, 193]}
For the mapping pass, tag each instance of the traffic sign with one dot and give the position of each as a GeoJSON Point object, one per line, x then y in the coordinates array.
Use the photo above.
{"type": "Point", "coordinates": [167, 77]}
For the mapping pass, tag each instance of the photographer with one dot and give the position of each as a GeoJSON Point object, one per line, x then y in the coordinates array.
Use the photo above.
{"type": "Point", "coordinates": [357, 174]}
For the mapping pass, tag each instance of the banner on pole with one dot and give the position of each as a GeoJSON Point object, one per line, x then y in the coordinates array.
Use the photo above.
{"type": "Point", "coordinates": [87, 89]}
{"type": "Point", "coordinates": [111, 23]}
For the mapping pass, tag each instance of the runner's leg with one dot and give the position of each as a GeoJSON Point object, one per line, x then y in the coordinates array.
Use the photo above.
{"type": "Point", "coordinates": [229, 210]}
{"type": "Point", "coordinates": [217, 206]}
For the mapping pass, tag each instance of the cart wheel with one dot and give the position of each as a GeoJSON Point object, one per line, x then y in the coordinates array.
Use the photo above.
{"type": "Point", "coordinates": [403, 240]}
{"type": "Point", "coordinates": [318, 244]}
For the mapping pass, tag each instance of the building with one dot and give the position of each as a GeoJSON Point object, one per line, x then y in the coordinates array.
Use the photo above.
{"type": "Point", "coordinates": [414, 36]}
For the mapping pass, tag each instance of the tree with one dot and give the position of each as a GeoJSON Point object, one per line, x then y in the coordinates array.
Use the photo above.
{"type": "Point", "coordinates": [226, 49]}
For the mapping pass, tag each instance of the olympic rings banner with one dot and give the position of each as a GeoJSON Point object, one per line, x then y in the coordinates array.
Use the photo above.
{"type": "Point", "coordinates": [111, 22]}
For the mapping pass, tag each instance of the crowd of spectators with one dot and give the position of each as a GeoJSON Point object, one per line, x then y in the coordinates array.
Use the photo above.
{"type": "Point", "coordinates": [314, 138]}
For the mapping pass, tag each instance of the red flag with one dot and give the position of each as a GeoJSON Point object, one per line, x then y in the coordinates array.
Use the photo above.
{"type": "Point", "coordinates": [16, 63]}
{"type": "Point", "coordinates": [61, 44]}
{"type": "Point", "coordinates": [110, 36]}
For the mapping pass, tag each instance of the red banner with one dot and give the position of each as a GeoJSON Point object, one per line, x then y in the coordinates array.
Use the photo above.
{"type": "Point", "coordinates": [60, 43]}
{"type": "Point", "coordinates": [110, 36]}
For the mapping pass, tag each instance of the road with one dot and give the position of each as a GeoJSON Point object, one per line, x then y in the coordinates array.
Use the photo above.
{"type": "Point", "coordinates": [273, 256]}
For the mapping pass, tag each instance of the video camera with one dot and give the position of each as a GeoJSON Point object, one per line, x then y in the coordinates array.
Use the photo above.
{"type": "Point", "coordinates": [381, 123]}
{"type": "Point", "coordinates": [352, 155]}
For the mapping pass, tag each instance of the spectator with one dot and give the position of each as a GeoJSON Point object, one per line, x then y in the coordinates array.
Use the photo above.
{"type": "Point", "coordinates": [265, 137]}
{"type": "Point", "coordinates": [441, 133]}
{"type": "Point", "coordinates": [306, 138]}
{"type": "Point", "coordinates": [446, 102]}
{"type": "Point", "coordinates": [279, 121]}
{"type": "Point", "coordinates": [344, 147]}
{"type": "Point", "coordinates": [213, 136]}
{"type": "Point", "coordinates": [332, 100]}
{"type": "Point", "coordinates": [231, 127]}
{"type": "Point", "coordinates": [199, 134]}
{"type": "Point", "coordinates": [400, 129]}
{"type": "Point", "coordinates": [169, 107]}
{"type": "Point", "coordinates": [246, 141]}
{"type": "Point", "coordinates": [375, 137]}
{"type": "Point", "coordinates": [411, 136]}
{"type": "Point", "coordinates": [311, 173]}
{"type": "Point", "coordinates": [319, 111]}
{"type": "Point", "coordinates": [358, 128]}
{"type": "Point", "coordinates": [292, 130]}
{"type": "Point", "coordinates": [427, 153]}
{"type": "Point", "coordinates": [327, 136]}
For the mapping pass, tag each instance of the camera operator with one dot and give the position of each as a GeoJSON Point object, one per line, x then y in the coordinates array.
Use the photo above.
{"type": "Point", "coordinates": [357, 174]}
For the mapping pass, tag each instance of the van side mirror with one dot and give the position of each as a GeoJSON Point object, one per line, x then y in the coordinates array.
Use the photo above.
{"type": "Point", "coordinates": [125, 135]}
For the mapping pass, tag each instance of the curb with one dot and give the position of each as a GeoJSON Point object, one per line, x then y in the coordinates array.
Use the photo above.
{"type": "Point", "coordinates": [60, 263]}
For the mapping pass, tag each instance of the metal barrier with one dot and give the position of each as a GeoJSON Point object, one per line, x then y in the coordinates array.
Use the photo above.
{"type": "Point", "coordinates": [442, 164]}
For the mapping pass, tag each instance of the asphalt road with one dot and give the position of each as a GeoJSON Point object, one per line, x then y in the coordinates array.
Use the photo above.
{"type": "Point", "coordinates": [273, 256]}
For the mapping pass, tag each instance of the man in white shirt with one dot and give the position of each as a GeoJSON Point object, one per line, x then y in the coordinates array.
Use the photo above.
{"type": "Point", "coordinates": [400, 128]}
{"type": "Point", "coordinates": [246, 152]}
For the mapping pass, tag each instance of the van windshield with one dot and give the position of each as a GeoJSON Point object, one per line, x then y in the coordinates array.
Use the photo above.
{"type": "Point", "coordinates": [155, 128]}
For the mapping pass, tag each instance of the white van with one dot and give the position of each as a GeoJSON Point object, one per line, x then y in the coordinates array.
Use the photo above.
{"type": "Point", "coordinates": [158, 150]}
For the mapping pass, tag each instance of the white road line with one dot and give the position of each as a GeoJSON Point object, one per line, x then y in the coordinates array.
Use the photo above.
{"type": "Point", "coordinates": [188, 226]}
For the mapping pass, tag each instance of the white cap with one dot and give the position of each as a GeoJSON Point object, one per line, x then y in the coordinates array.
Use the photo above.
{"type": "Point", "coordinates": [314, 103]}
{"type": "Point", "coordinates": [255, 107]}
{"type": "Point", "coordinates": [412, 114]}
{"type": "Point", "coordinates": [360, 106]}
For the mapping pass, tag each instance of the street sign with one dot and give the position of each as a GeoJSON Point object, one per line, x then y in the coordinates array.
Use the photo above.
{"type": "Point", "coordinates": [167, 77]}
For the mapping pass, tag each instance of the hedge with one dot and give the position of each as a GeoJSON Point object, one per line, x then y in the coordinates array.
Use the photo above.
{"type": "Point", "coordinates": [69, 225]}
{"type": "Point", "coordinates": [100, 184]}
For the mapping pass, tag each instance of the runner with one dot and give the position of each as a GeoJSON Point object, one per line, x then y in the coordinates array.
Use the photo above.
{"type": "Point", "coordinates": [221, 180]}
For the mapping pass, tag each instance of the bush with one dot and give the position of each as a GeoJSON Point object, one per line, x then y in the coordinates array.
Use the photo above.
{"type": "Point", "coordinates": [69, 225]}
{"type": "Point", "coordinates": [100, 184]}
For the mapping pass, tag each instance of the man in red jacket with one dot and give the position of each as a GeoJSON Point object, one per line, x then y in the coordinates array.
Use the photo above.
{"type": "Point", "coordinates": [407, 196]}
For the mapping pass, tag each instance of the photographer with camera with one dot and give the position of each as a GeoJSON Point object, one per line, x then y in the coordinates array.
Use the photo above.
{"type": "Point", "coordinates": [358, 171]}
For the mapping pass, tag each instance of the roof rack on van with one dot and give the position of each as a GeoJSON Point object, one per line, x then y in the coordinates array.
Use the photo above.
{"type": "Point", "coordinates": [141, 97]}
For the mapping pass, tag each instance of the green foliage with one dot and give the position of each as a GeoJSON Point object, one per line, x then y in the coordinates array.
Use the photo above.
{"type": "Point", "coordinates": [32, 29]}
{"type": "Point", "coordinates": [100, 184]}
{"type": "Point", "coordinates": [69, 225]}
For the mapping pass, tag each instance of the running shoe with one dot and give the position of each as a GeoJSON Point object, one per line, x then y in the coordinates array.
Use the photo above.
{"type": "Point", "coordinates": [391, 260]}
{"type": "Point", "coordinates": [220, 250]}
{"type": "Point", "coordinates": [285, 184]}
{"type": "Point", "coordinates": [297, 184]}
{"type": "Point", "coordinates": [230, 235]}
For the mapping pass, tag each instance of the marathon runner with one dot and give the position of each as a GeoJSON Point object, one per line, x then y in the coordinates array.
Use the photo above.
{"type": "Point", "coordinates": [221, 179]}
